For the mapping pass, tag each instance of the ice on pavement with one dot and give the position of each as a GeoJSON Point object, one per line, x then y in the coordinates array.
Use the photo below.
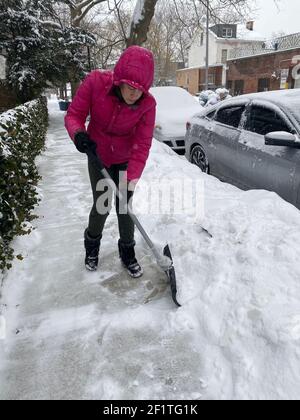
{"type": "Point", "coordinates": [72, 334]}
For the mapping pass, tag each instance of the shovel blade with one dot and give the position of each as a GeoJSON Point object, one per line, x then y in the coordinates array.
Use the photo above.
{"type": "Point", "coordinates": [170, 272]}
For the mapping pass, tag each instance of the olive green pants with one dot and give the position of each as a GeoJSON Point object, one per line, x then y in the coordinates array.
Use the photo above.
{"type": "Point", "coordinates": [102, 197]}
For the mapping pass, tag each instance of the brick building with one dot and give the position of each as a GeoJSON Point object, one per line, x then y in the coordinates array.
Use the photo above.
{"type": "Point", "coordinates": [193, 79]}
{"type": "Point", "coordinates": [273, 66]}
{"type": "Point", "coordinates": [223, 38]}
{"type": "Point", "coordinates": [165, 72]}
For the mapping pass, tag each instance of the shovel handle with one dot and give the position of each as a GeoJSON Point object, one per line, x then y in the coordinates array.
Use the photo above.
{"type": "Point", "coordinates": [168, 269]}
{"type": "Point", "coordinates": [95, 158]}
{"type": "Point", "coordinates": [97, 162]}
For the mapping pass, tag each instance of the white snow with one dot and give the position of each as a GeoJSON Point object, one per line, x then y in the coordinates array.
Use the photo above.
{"type": "Point", "coordinates": [175, 106]}
{"type": "Point", "coordinates": [2, 67]}
{"type": "Point", "coordinates": [283, 135]}
{"type": "Point", "coordinates": [244, 33]}
{"type": "Point", "coordinates": [138, 13]}
{"type": "Point", "coordinates": [73, 334]}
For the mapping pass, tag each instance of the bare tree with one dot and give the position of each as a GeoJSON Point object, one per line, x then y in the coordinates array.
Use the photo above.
{"type": "Point", "coordinates": [80, 8]}
{"type": "Point", "coordinates": [190, 15]}
{"type": "Point", "coordinates": [142, 16]}
{"type": "Point", "coordinates": [229, 11]}
{"type": "Point", "coordinates": [110, 39]}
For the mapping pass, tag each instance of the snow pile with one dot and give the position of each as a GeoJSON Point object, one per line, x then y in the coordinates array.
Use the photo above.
{"type": "Point", "coordinates": [209, 98]}
{"type": "Point", "coordinates": [90, 335]}
{"type": "Point", "coordinates": [240, 289]}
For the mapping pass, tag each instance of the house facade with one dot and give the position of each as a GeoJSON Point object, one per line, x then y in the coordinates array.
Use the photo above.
{"type": "Point", "coordinates": [273, 65]}
{"type": "Point", "coordinates": [165, 72]}
{"type": "Point", "coordinates": [222, 40]}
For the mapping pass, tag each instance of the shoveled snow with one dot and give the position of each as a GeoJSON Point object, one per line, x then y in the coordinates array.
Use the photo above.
{"type": "Point", "coordinates": [73, 334]}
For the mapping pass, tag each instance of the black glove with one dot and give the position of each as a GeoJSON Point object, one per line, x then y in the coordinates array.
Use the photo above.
{"type": "Point", "coordinates": [83, 142]}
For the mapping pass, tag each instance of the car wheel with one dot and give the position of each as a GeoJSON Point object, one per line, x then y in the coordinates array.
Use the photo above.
{"type": "Point", "coordinates": [198, 157]}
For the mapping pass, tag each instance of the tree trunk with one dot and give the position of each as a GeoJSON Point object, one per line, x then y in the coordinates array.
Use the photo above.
{"type": "Point", "coordinates": [62, 91]}
{"type": "Point", "coordinates": [74, 87]}
{"type": "Point", "coordinates": [143, 14]}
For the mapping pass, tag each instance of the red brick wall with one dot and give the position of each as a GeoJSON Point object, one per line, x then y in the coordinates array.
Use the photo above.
{"type": "Point", "coordinates": [216, 71]}
{"type": "Point", "coordinates": [252, 69]}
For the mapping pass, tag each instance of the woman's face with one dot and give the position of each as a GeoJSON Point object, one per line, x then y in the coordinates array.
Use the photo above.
{"type": "Point", "coordinates": [130, 94]}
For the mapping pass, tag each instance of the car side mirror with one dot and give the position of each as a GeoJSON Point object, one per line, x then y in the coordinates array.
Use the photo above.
{"type": "Point", "coordinates": [283, 139]}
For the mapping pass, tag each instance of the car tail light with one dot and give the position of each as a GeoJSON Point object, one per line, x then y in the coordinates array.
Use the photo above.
{"type": "Point", "coordinates": [188, 125]}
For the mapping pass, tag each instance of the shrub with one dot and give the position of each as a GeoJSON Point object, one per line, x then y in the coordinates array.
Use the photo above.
{"type": "Point", "coordinates": [22, 138]}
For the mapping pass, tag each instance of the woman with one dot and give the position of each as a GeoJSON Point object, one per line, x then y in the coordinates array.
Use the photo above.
{"type": "Point", "coordinates": [120, 131]}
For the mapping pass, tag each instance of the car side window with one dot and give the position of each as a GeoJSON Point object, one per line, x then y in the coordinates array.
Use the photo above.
{"type": "Point", "coordinates": [211, 115]}
{"type": "Point", "coordinates": [230, 116]}
{"type": "Point", "coordinates": [262, 121]}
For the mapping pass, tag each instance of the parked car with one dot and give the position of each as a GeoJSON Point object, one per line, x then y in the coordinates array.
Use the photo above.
{"type": "Point", "coordinates": [251, 141]}
{"type": "Point", "coordinates": [209, 97]}
{"type": "Point", "coordinates": [174, 107]}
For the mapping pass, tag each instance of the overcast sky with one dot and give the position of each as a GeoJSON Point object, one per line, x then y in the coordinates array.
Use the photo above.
{"type": "Point", "coordinates": [270, 19]}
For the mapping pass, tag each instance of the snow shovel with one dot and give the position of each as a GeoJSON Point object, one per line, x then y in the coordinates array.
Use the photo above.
{"type": "Point", "coordinates": [164, 260]}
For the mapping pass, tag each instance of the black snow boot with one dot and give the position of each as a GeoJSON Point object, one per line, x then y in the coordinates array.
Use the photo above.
{"type": "Point", "coordinates": [92, 246]}
{"type": "Point", "coordinates": [127, 256]}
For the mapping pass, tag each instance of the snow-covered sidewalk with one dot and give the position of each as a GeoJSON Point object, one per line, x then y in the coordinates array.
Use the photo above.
{"type": "Point", "coordinates": [78, 335]}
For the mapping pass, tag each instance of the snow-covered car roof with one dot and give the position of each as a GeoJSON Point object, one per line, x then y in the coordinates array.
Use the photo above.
{"type": "Point", "coordinates": [172, 97]}
{"type": "Point", "coordinates": [175, 106]}
{"type": "Point", "coordinates": [287, 100]}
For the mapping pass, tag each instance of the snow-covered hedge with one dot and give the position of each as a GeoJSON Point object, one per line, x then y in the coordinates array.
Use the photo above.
{"type": "Point", "coordinates": [22, 137]}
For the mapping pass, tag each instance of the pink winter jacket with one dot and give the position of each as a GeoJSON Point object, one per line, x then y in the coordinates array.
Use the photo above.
{"type": "Point", "coordinates": [123, 133]}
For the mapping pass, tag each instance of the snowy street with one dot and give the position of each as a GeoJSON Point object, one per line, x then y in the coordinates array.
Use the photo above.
{"type": "Point", "coordinates": [71, 334]}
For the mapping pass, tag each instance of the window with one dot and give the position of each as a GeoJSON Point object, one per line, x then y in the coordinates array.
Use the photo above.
{"type": "Point", "coordinates": [224, 56]}
{"type": "Point", "coordinates": [263, 121]}
{"type": "Point", "coordinates": [230, 116]}
{"type": "Point", "coordinates": [211, 115]}
{"type": "Point", "coordinates": [263, 85]}
{"type": "Point", "coordinates": [211, 79]}
{"type": "Point", "coordinates": [227, 33]}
